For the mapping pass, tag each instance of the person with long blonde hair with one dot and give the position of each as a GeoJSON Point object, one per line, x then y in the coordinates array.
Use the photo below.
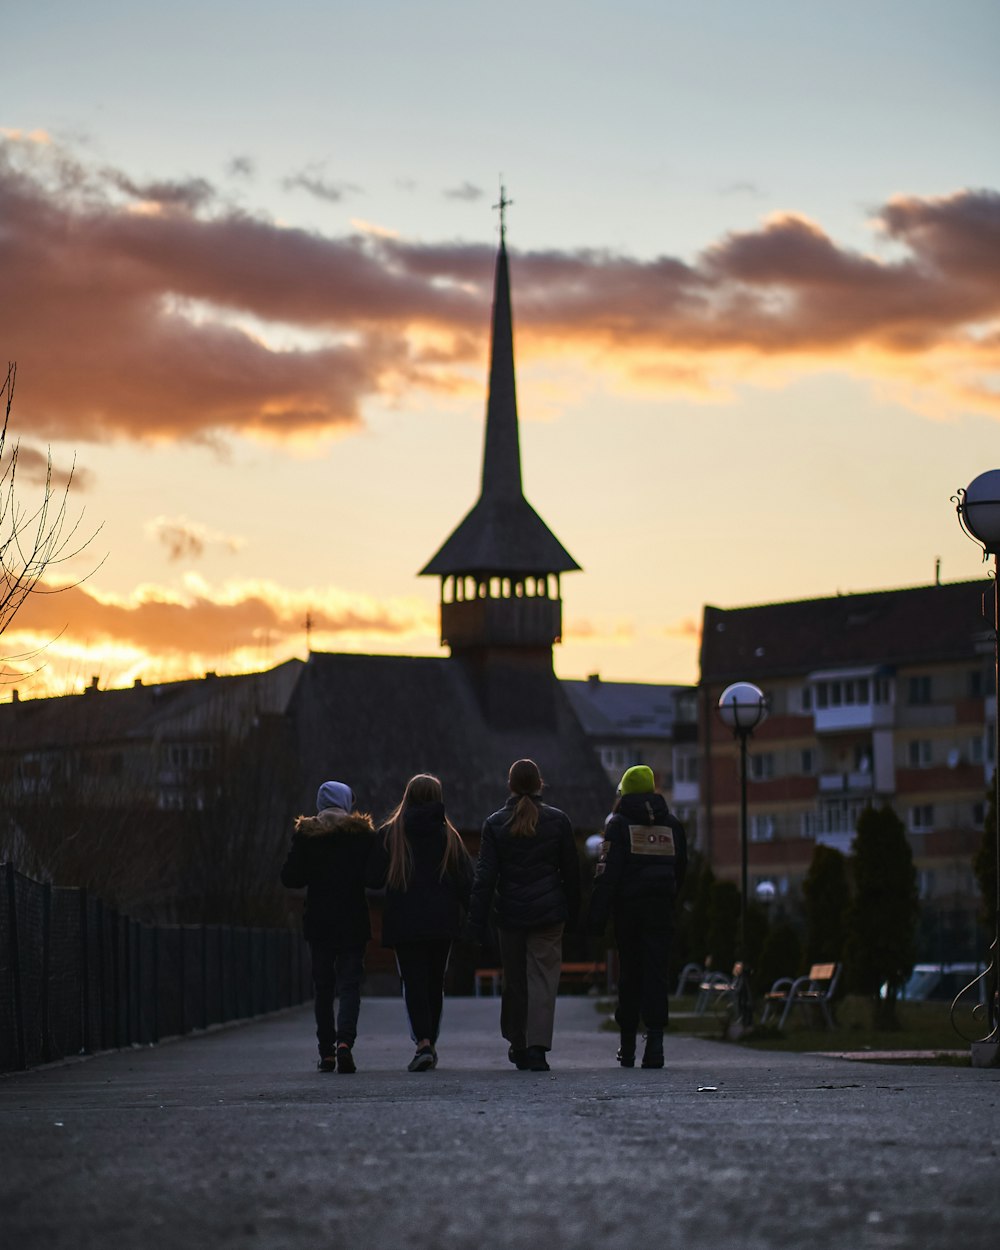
{"type": "Point", "coordinates": [529, 863]}
{"type": "Point", "coordinates": [420, 861]}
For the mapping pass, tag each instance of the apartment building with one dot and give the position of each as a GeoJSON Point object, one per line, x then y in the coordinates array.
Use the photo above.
{"type": "Point", "coordinates": [885, 697]}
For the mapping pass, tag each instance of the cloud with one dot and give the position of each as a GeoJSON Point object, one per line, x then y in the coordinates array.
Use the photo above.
{"type": "Point", "coordinates": [35, 467]}
{"type": "Point", "coordinates": [189, 540]}
{"type": "Point", "coordinates": [312, 181]}
{"type": "Point", "coordinates": [241, 167]}
{"type": "Point", "coordinates": [179, 633]}
{"type": "Point", "coordinates": [102, 274]}
{"type": "Point", "coordinates": [468, 191]}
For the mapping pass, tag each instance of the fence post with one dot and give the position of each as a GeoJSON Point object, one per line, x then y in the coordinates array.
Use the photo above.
{"type": "Point", "coordinates": [46, 950]}
{"type": "Point", "coordinates": [84, 975]}
{"type": "Point", "coordinates": [15, 969]}
{"type": "Point", "coordinates": [155, 1018]}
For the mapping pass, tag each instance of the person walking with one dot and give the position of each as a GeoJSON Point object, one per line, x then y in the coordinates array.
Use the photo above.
{"type": "Point", "coordinates": [639, 874]}
{"type": "Point", "coordinates": [328, 858]}
{"type": "Point", "coordinates": [529, 863]}
{"type": "Point", "coordinates": [421, 862]}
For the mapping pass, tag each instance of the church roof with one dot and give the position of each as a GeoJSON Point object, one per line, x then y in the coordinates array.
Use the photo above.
{"type": "Point", "coordinates": [374, 721]}
{"type": "Point", "coordinates": [502, 534]}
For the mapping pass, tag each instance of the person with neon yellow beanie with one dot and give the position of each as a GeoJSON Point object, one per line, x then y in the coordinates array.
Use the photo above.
{"type": "Point", "coordinates": [638, 877]}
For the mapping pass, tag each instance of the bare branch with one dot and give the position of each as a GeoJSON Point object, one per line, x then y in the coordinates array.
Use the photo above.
{"type": "Point", "coordinates": [32, 542]}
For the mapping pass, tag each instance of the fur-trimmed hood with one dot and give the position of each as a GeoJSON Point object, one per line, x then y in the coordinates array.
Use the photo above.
{"type": "Point", "coordinates": [332, 820]}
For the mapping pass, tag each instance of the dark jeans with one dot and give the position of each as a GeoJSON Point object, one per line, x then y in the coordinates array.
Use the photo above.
{"type": "Point", "coordinates": [644, 930]}
{"type": "Point", "coordinates": [337, 973]}
{"type": "Point", "coordinates": [422, 966]}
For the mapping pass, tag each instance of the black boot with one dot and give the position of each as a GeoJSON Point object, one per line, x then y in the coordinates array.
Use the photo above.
{"type": "Point", "coordinates": [626, 1051]}
{"type": "Point", "coordinates": [652, 1056]}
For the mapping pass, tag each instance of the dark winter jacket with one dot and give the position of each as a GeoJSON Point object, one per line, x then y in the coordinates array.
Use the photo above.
{"type": "Point", "coordinates": [430, 907]}
{"type": "Point", "coordinates": [536, 879]}
{"type": "Point", "coordinates": [644, 855]}
{"type": "Point", "coordinates": [328, 858]}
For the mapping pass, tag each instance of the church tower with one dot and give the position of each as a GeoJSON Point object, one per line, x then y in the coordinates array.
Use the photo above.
{"type": "Point", "coordinates": [501, 610]}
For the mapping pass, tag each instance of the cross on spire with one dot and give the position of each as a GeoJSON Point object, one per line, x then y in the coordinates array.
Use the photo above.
{"type": "Point", "coordinates": [503, 204]}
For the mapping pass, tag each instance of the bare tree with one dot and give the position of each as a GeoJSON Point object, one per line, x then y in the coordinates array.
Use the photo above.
{"type": "Point", "coordinates": [32, 539]}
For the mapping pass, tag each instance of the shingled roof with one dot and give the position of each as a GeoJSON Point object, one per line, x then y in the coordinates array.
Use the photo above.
{"type": "Point", "coordinates": [502, 534]}
{"type": "Point", "coordinates": [922, 624]}
{"type": "Point", "coordinates": [375, 721]}
{"type": "Point", "coordinates": [142, 713]}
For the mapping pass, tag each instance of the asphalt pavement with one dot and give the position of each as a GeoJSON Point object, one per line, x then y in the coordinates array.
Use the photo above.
{"type": "Point", "coordinates": [232, 1139]}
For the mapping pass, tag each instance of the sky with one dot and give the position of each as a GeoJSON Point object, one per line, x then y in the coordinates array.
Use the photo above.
{"type": "Point", "coordinates": [247, 255]}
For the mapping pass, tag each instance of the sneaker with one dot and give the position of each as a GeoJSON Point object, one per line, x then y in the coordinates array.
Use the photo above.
{"type": "Point", "coordinates": [652, 1055]}
{"type": "Point", "coordinates": [626, 1051]}
{"type": "Point", "coordinates": [534, 1060]}
{"type": "Point", "coordinates": [422, 1061]}
{"type": "Point", "coordinates": [327, 1064]}
{"type": "Point", "coordinates": [435, 1054]}
{"type": "Point", "coordinates": [345, 1058]}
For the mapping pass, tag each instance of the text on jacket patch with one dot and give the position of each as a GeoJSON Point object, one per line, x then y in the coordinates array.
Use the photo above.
{"type": "Point", "coordinates": [651, 840]}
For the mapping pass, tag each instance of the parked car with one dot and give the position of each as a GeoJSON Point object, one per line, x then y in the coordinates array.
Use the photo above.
{"type": "Point", "coordinates": [940, 982]}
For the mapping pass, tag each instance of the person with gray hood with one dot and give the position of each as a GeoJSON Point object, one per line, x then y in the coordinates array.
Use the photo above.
{"type": "Point", "coordinates": [328, 859]}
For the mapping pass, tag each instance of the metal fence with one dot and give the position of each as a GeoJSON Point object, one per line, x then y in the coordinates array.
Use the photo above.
{"type": "Point", "coordinates": [77, 977]}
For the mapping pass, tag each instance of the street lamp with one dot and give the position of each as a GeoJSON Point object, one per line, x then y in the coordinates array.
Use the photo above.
{"type": "Point", "coordinates": [978, 509]}
{"type": "Point", "coordinates": [742, 707]}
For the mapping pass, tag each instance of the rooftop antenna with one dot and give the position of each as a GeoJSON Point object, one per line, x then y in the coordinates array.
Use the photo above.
{"type": "Point", "coordinates": [309, 625]}
{"type": "Point", "coordinates": [502, 205]}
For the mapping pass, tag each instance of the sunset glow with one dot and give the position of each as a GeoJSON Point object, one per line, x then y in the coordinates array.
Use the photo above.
{"type": "Point", "coordinates": [262, 331]}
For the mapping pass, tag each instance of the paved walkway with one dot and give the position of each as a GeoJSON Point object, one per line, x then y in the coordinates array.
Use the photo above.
{"type": "Point", "coordinates": [233, 1140]}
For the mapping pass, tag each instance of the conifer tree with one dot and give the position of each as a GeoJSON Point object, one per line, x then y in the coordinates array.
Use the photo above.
{"type": "Point", "coordinates": [882, 918]}
{"type": "Point", "coordinates": [826, 890]}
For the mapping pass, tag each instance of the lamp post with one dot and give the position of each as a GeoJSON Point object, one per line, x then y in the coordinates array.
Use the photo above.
{"type": "Point", "coordinates": [742, 707]}
{"type": "Point", "coordinates": [978, 509]}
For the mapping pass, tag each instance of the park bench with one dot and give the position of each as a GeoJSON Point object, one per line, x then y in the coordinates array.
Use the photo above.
{"type": "Point", "coordinates": [716, 990]}
{"type": "Point", "coordinates": [691, 974]}
{"type": "Point", "coordinates": [595, 973]}
{"type": "Point", "coordinates": [813, 991]}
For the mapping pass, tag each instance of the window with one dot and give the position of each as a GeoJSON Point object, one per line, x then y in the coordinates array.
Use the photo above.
{"type": "Point", "coordinates": [976, 750]}
{"type": "Point", "coordinates": [976, 686]}
{"type": "Point", "coordinates": [686, 768]}
{"type": "Point", "coordinates": [978, 815]}
{"type": "Point", "coordinates": [807, 825]}
{"type": "Point", "coordinates": [883, 690]}
{"type": "Point", "coordinates": [807, 698]}
{"type": "Point", "coordinates": [918, 689]}
{"type": "Point", "coordinates": [762, 766]}
{"type": "Point", "coordinates": [761, 828]}
{"type": "Point", "coordinates": [822, 695]}
{"type": "Point", "coordinates": [922, 818]}
{"type": "Point", "coordinates": [918, 753]}
{"type": "Point", "coordinates": [808, 760]}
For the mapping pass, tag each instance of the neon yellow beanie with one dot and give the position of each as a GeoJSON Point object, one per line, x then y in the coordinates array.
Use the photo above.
{"type": "Point", "coordinates": [637, 780]}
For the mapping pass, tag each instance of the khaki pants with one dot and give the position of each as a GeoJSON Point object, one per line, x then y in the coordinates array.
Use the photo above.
{"type": "Point", "coordinates": [532, 959]}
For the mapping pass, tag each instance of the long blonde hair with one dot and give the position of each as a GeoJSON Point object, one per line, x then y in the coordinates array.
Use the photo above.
{"type": "Point", "coordinates": [525, 781]}
{"type": "Point", "coordinates": [423, 788]}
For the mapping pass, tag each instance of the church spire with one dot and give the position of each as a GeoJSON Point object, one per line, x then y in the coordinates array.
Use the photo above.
{"type": "Point", "coordinates": [502, 535]}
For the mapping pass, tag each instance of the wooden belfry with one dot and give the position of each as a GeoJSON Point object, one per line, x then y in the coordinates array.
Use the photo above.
{"type": "Point", "coordinates": [501, 606]}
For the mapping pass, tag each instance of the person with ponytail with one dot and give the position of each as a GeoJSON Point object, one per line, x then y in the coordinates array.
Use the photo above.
{"type": "Point", "coordinates": [420, 861]}
{"type": "Point", "coordinates": [529, 866]}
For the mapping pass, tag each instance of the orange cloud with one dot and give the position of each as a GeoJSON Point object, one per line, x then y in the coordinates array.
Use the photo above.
{"type": "Point", "coordinates": [98, 298]}
{"type": "Point", "coordinates": [164, 634]}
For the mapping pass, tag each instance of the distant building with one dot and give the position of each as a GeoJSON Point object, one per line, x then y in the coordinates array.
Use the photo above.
{"type": "Point", "coordinates": [631, 723]}
{"type": "Point", "coordinates": [874, 698]}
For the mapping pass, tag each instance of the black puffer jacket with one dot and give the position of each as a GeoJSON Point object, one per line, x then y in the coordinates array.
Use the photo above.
{"type": "Point", "coordinates": [536, 879]}
{"type": "Point", "coordinates": [644, 856]}
{"type": "Point", "coordinates": [431, 907]}
{"type": "Point", "coordinates": [328, 858]}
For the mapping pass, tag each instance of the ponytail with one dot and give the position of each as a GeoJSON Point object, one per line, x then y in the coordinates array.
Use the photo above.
{"type": "Point", "coordinates": [525, 781]}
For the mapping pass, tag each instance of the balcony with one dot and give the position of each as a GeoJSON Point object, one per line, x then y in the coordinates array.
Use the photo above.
{"type": "Point", "coordinates": [856, 782]}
